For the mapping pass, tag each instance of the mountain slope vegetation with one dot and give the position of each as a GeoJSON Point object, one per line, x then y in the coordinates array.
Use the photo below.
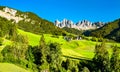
{"type": "Point", "coordinates": [72, 31]}
{"type": "Point", "coordinates": [39, 25]}
{"type": "Point", "coordinates": [29, 21]}
{"type": "Point", "coordinates": [111, 30]}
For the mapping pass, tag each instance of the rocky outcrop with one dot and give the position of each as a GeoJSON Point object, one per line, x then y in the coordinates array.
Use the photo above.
{"type": "Point", "coordinates": [81, 25]}
{"type": "Point", "coordinates": [10, 14]}
{"type": "Point", "coordinates": [10, 11]}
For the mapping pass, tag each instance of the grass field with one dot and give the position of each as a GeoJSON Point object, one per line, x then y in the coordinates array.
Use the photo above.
{"type": "Point", "coordinates": [74, 48]}
{"type": "Point", "coordinates": [7, 67]}
{"type": "Point", "coordinates": [34, 39]}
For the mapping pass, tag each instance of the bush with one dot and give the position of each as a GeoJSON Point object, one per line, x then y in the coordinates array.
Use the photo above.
{"type": "Point", "coordinates": [1, 41]}
{"type": "Point", "coordinates": [55, 36]}
{"type": "Point", "coordinates": [94, 39]}
{"type": "Point", "coordinates": [100, 39]}
{"type": "Point", "coordinates": [1, 57]}
{"type": "Point", "coordinates": [85, 69]}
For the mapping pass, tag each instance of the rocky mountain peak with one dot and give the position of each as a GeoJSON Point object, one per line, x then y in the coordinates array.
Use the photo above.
{"type": "Point", "coordinates": [57, 23]}
{"type": "Point", "coordinates": [80, 25]}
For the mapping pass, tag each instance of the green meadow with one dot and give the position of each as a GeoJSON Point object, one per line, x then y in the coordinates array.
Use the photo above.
{"type": "Point", "coordinates": [74, 48]}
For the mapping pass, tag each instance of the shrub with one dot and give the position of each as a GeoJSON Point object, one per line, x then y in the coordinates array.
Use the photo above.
{"type": "Point", "coordinates": [1, 41]}
{"type": "Point", "coordinates": [94, 39]}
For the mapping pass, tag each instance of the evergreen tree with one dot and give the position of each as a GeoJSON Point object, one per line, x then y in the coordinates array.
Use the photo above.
{"type": "Point", "coordinates": [7, 54]}
{"type": "Point", "coordinates": [30, 57]}
{"type": "Point", "coordinates": [115, 60]}
{"type": "Point", "coordinates": [55, 56]}
{"type": "Point", "coordinates": [70, 65]}
{"type": "Point", "coordinates": [101, 58]}
{"type": "Point", "coordinates": [1, 41]}
{"type": "Point", "coordinates": [85, 69]}
{"type": "Point", "coordinates": [19, 45]}
{"type": "Point", "coordinates": [12, 31]}
{"type": "Point", "coordinates": [42, 45]}
{"type": "Point", "coordinates": [66, 64]}
{"type": "Point", "coordinates": [1, 57]}
{"type": "Point", "coordinates": [1, 33]}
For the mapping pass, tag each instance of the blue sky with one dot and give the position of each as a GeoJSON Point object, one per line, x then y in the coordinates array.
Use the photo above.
{"type": "Point", "coordinates": [75, 10]}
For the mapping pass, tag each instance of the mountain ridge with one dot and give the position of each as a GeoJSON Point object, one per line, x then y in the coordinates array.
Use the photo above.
{"type": "Point", "coordinates": [110, 30]}
{"type": "Point", "coordinates": [81, 25]}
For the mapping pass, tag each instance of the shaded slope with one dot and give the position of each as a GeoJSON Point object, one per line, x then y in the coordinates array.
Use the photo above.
{"type": "Point", "coordinates": [72, 30]}
{"type": "Point", "coordinates": [110, 30]}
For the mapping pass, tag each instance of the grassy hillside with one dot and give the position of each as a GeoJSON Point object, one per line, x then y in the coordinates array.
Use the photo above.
{"type": "Point", "coordinates": [7, 67]}
{"type": "Point", "coordinates": [74, 48]}
{"type": "Point", "coordinates": [34, 38]}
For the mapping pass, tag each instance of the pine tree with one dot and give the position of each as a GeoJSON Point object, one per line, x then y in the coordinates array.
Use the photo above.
{"type": "Point", "coordinates": [1, 41]}
{"type": "Point", "coordinates": [42, 45]}
{"type": "Point", "coordinates": [55, 56]}
{"type": "Point", "coordinates": [12, 31]}
{"type": "Point", "coordinates": [19, 45]}
{"type": "Point", "coordinates": [85, 69]}
{"type": "Point", "coordinates": [30, 57]}
{"type": "Point", "coordinates": [101, 58]}
{"type": "Point", "coordinates": [115, 60]}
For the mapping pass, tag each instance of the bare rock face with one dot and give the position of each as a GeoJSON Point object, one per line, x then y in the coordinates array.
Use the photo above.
{"type": "Point", "coordinates": [57, 23]}
{"type": "Point", "coordinates": [98, 24]}
{"type": "Point", "coordinates": [81, 25]}
{"type": "Point", "coordinates": [10, 14]}
{"type": "Point", "coordinates": [10, 11]}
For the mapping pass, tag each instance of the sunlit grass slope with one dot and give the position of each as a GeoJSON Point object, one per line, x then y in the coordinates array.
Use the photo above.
{"type": "Point", "coordinates": [7, 67]}
{"type": "Point", "coordinates": [74, 48]}
{"type": "Point", "coordinates": [34, 39]}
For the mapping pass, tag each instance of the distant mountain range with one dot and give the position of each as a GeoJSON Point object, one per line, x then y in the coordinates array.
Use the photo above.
{"type": "Point", "coordinates": [81, 25]}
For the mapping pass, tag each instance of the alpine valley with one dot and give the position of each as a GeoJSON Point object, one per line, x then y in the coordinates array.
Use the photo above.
{"type": "Point", "coordinates": [29, 43]}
